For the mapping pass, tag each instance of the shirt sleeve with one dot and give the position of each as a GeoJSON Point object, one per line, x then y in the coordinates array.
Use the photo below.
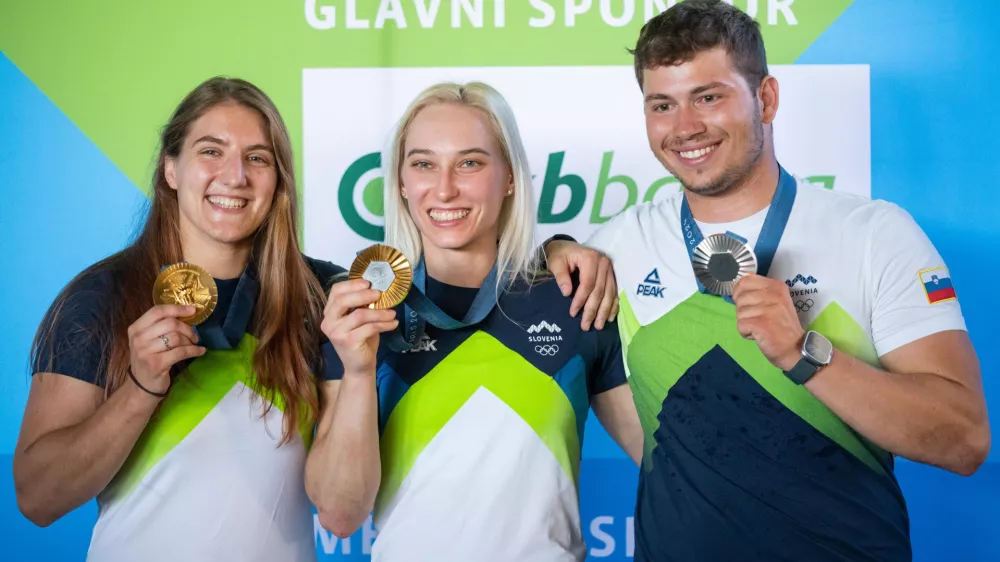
{"type": "Point", "coordinates": [913, 292]}
{"type": "Point", "coordinates": [324, 271]}
{"type": "Point", "coordinates": [333, 368]}
{"type": "Point", "coordinates": [608, 371]}
{"type": "Point", "coordinates": [77, 341]}
{"type": "Point", "coordinates": [606, 238]}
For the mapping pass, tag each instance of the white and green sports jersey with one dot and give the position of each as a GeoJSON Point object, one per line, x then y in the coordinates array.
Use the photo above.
{"type": "Point", "coordinates": [207, 480]}
{"type": "Point", "coordinates": [725, 431]}
{"type": "Point", "coordinates": [481, 430]}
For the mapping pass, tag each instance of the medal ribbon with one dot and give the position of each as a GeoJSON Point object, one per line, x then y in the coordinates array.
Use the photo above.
{"type": "Point", "coordinates": [216, 333]}
{"type": "Point", "coordinates": [418, 310]}
{"type": "Point", "coordinates": [770, 232]}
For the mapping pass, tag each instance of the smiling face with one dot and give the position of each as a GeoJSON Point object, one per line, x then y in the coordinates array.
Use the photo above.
{"type": "Point", "coordinates": [703, 122]}
{"type": "Point", "coordinates": [454, 177]}
{"type": "Point", "coordinates": [225, 176]}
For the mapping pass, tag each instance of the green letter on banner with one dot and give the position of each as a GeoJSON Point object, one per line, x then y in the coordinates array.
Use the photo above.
{"type": "Point", "coordinates": [577, 196]}
{"type": "Point", "coordinates": [603, 182]}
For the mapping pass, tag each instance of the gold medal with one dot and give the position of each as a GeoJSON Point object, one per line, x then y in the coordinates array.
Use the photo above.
{"type": "Point", "coordinates": [187, 284]}
{"type": "Point", "coordinates": [388, 270]}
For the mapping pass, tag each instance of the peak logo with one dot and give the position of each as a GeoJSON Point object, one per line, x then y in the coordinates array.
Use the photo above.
{"type": "Point", "coordinates": [425, 344]}
{"type": "Point", "coordinates": [651, 286]}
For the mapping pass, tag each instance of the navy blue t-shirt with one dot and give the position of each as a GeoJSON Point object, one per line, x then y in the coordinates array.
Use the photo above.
{"type": "Point", "coordinates": [533, 321]}
{"type": "Point", "coordinates": [80, 341]}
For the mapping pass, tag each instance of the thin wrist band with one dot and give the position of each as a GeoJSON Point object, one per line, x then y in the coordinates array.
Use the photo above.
{"type": "Point", "coordinates": [137, 383]}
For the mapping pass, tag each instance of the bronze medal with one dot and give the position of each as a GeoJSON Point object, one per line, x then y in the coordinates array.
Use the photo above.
{"type": "Point", "coordinates": [388, 271]}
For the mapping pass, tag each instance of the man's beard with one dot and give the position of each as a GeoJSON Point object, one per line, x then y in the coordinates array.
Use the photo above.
{"type": "Point", "coordinates": [736, 174]}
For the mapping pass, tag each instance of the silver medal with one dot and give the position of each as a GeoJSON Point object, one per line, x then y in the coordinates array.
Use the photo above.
{"type": "Point", "coordinates": [720, 261]}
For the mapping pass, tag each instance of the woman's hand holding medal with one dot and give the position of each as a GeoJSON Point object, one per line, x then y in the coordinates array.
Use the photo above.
{"type": "Point", "coordinates": [360, 309]}
{"type": "Point", "coordinates": [184, 295]}
{"type": "Point", "coordinates": [353, 327]}
{"type": "Point", "coordinates": [158, 340]}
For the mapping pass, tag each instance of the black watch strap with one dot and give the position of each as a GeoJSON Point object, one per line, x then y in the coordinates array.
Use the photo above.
{"type": "Point", "coordinates": [555, 237]}
{"type": "Point", "coordinates": [542, 257]}
{"type": "Point", "coordinates": [802, 371]}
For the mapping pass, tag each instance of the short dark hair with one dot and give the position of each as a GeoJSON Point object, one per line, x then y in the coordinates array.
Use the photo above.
{"type": "Point", "coordinates": [694, 26]}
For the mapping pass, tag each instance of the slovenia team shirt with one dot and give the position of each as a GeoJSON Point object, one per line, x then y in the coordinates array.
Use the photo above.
{"type": "Point", "coordinates": [481, 430]}
{"type": "Point", "coordinates": [207, 479]}
{"type": "Point", "coordinates": [739, 462]}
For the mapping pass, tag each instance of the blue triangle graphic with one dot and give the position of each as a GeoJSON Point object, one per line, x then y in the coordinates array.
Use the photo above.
{"type": "Point", "coordinates": [66, 206]}
{"type": "Point", "coordinates": [653, 278]}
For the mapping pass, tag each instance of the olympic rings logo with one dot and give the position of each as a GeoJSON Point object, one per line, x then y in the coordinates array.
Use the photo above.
{"type": "Point", "coordinates": [804, 305]}
{"type": "Point", "coordinates": [547, 350]}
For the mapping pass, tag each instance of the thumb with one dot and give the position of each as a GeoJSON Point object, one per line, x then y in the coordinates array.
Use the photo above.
{"type": "Point", "coordinates": [560, 270]}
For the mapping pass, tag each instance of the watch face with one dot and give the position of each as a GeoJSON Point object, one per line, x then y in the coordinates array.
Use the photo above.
{"type": "Point", "coordinates": [818, 348]}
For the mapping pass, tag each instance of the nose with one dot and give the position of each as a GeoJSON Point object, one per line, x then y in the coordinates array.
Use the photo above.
{"type": "Point", "coordinates": [447, 187]}
{"type": "Point", "coordinates": [688, 124]}
{"type": "Point", "coordinates": [233, 172]}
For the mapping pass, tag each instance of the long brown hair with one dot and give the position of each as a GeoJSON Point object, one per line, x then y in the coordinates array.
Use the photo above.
{"type": "Point", "coordinates": [289, 308]}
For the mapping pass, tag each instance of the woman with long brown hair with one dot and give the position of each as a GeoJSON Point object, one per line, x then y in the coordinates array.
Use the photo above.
{"type": "Point", "coordinates": [150, 415]}
{"type": "Point", "coordinates": [194, 439]}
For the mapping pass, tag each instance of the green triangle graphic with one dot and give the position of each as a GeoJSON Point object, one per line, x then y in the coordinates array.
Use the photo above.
{"type": "Point", "coordinates": [118, 68]}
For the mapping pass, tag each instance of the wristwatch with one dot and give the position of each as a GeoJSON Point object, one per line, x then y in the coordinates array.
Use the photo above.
{"type": "Point", "coordinates": [817, 351]}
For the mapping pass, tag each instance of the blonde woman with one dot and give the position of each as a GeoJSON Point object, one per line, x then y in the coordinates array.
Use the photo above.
{"type": "Point", "coordinates": [468, 445]}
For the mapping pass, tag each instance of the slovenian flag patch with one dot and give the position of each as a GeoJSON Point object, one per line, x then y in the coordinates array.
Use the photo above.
{"type": "Point", "coordinates": [937, 285]}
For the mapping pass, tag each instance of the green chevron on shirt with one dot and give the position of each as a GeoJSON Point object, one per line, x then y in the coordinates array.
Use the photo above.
{"type": "Point", "coordinates": [192, 396]}
{"type": "Point", "coordinates": [662, 351]}
{"type": "Point", "coordinates": [479, 362]}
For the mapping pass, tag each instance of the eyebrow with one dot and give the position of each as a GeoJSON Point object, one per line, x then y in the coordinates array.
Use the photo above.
{"type": "Point", "coordinates": [694, 92]}
{"type": "Point", "coordinates": [266, 147]}
{"type": "Point", "coordinates": [658, 97]}
{"type": "Point", "coordinates": [211, 139]}
{"type": "Point", "coordinates": [460, 152]}
{"type": "Point", "coordinates": [706, 87]}
{"type": "Point", "coordinates": [220, 142]}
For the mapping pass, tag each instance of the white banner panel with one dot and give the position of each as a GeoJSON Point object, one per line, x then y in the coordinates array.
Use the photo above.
{"type": "Point", "coordinates": [584, 132]}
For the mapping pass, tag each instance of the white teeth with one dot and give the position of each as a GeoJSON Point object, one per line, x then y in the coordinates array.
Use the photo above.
{"type": "Point", "coordinates": [442, 215]}
{"type": "Point", "coordinates": [227, 202]}
{"type": "Point", "coordinates": [692, 154]}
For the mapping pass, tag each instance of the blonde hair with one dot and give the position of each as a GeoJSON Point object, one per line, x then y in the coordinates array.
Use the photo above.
{"type": "Point", "coordinates": [515, 253]}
